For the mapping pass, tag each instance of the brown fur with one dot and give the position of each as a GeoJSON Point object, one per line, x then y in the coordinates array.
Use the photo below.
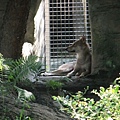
{"type": "Point", "coordinates": [80, 67]}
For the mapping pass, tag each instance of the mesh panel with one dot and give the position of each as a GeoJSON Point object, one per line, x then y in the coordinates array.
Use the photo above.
{"type": "Point", "coordinates": [68, 20]}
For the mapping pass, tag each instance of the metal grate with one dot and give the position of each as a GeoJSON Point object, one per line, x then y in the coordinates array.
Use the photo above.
{"type": "Point", "coordinates": [68, 20]}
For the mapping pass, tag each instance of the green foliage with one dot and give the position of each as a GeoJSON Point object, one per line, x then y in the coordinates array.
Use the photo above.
{"type": "Point", "coordinates": [107, 108]}
{"type": "Point", "coordinates": [1, 62]}
{"type": "Point", "coordinates": [24, 98]}
{"type": "Point", "coordinates": [54, 84]}
{"type": "Point", "coordinates": [19, 69]}
{"type": "Point", "coordinates": [4, 113]}
{"type": "Point", "coordinates": [111, 67]}
{"type": "Point", "coordinates": [5, 88]}
{"type": "Point", "coordinates": [3, 67]}
{"type": "Point", "coordinates": [24, 95]}
{"type": "Point", "coordinates": [21, 117]}
{"type": "Point", "coordinates": [11, 73]}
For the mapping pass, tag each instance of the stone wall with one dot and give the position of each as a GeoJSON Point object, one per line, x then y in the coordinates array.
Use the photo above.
{"type": "Point", "coordinates": [35, 28]}
{"type": "Point", "coordinates": [29, 36]}
{"type": "Point", "coordinates": [3, 4]}
{"type": "Point", "coordinates": [39, 32]}
{"type": "Point", "coordinates": [105, 27]}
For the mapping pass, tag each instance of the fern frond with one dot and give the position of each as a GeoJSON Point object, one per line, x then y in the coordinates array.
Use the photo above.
{"type": "Point", "coordinates": [19, 69]}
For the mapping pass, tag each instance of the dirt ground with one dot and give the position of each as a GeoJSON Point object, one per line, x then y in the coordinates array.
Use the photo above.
{"type": "Point", "coordinates": [45, 108]}
{"type": "Point", "coordinates": [51, 108]}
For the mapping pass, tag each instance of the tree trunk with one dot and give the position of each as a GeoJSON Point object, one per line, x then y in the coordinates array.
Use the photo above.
{"type": "Point", "coordinates": [14, 28]}
{"type": "Point", "coordinates": [105, 28]}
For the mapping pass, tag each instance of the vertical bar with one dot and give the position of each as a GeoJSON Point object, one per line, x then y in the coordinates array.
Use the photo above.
{"type": "Point", "coordinates": [47, 35]}
{"type": "Point", "coordinates": [60, 34]}
{"type": "Point", "coordinates": [53, 33]}
{"type": "Point", "coordinates": [57, 50]}
{"type": "Point", "coordinates": [64, 14]}
{"type": "Point", "coordinates": [85, 16]}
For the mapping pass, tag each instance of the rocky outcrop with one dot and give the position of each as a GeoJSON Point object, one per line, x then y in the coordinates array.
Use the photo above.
{"type": "Point", "coordinates": [105, 29]}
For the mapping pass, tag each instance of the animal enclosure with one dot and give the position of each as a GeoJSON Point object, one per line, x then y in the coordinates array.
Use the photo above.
{"type": "Point", "coordinates": [65, 21]}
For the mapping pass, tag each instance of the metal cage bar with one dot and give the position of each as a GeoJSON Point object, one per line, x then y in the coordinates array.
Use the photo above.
{"type": "Point", "coordinates": [66, 21]}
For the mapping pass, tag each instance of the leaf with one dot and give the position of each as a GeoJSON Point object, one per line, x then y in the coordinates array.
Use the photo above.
{"type": "Point", "coordinates": [20, 69]}
{"type": "Point", "coordinates": [24, 95]}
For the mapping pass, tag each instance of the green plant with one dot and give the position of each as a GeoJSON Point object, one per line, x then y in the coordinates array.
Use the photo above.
{"type": "Point", "coordinates": [20, 69]}
{"type": "Point", "coordinates": [107, 108]}
{"type": "Point", "coordinates": [3, 67]}
{"type": "Point", "coordinates": [24, 95]}
{"type": "Point", "coordinates": [5, 87]}
{"type": "Point", "coordinates": [111, 68]}
{"type": "Point", "coordinates": [11, 73]}
{"type": "Point", "coordinates": [54, 84]}
{"type": "Point", "coordinates": [23, 118]}
{"type": "Point", "coordinates": [1, 62]}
